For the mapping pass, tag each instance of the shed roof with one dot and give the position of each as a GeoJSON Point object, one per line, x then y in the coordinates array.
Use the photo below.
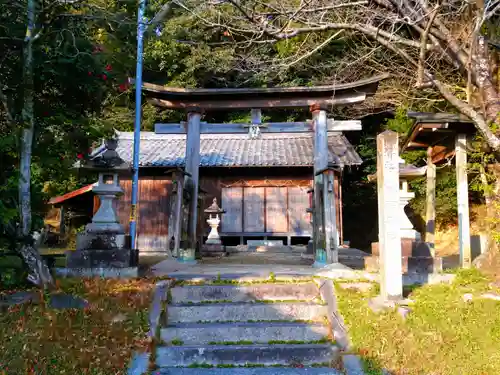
{"type": "Point", "coordinates": [71, 194]}
{"type": "Point", "coordinates": [236, 150]}
{"type": "Point", "coordinates": [436, 129]}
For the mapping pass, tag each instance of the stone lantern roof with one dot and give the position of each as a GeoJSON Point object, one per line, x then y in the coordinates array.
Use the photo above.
{"type": "Point", "coordinates": [214, 208]}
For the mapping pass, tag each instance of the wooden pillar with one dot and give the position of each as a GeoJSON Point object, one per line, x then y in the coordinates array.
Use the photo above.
{"type": "Point", "coordinates": [430, 212]}
{"type": "Point", "coordinates": [330, 210]}
{"type": "Point", "coordinates": [325, 230]}
{"type": "Point", "coordinates": [62, 222]}
{"type": "Point", "coordinates": [463, 200]}
{"type": "Point", "coordinates": [391, 280]}
{"type": "Point", "coordinates": [178, 213]}
{"type": "Point", "coordinates": [192, 183]}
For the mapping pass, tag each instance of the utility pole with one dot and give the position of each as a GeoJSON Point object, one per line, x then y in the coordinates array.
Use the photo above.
{"type": "Point", "coordinates": [141, 26]}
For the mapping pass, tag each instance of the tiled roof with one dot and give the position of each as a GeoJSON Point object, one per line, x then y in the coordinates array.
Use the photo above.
{"type": "Point", "coordinates": [236, 150]}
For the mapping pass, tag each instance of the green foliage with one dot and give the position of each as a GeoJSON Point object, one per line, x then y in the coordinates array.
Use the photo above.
{"type": "Point", "coordinates": [420, 343]}
{"type": "Point", "coordinates": [75, 76]}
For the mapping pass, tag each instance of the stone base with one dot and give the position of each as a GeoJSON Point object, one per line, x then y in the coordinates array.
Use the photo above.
{"type": "Point", "coordinates": [310, 247]}
{"type": "Point", "coordinates": [105, 272]}
{"type": "Point", "coordinates": [317, 264]}
{"type": "Point", "coordinates": [187, 256]}
{"type": "Point", "coordinates": [408, 245]}
{"type": "Point", "coordinates": [114, 258]}
{"type": "Point", "coordinates": [409, 264]}
{"type": "Point", "coordinates": [210, 250]}
{"type": "Point", "coordinates": [379, 303]}
{"type": "Point", "coordinates": [104, 241]}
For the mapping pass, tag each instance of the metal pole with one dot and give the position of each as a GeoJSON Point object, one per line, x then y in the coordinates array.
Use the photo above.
{"type": "Point", "coordinates": [141, 26]}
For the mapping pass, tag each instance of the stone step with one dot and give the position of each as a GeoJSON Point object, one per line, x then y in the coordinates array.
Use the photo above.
{"type": "Point", "coordinates": [249, 371]}
{"type": "Point", "coordinates": [245, 293]}
{"type": "Point", "coordinates": [261, 332]}
{"type": "Point", "coordinates": [264, 248]}
{"type": "Point", "coordinates": [239, 355]}
{"type": "Point", "coordinates": [244, 312]}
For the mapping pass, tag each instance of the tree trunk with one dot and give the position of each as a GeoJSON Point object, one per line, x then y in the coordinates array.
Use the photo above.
{"type": "Point", "coordinates": [39, 272]}
{"type": "Point", "coordinates": [491, 98]}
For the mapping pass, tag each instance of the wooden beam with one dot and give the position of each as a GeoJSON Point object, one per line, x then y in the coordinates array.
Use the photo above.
{"type": "Point", "coordinates": [463, 200]}
{"type": "Point", "coordinates": [271, 127]}
{"type": "Point", "coordinates": [430, 212]}
{"type": "Point", "coordinates": [323, 102]}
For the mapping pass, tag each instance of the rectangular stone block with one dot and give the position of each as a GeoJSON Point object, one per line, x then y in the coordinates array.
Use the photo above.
{"type": "Point", "coordinates": [409, 264]}
{"type": "Point", "coordinates": [249, 371]}
{"type": "Point", "coordinates": [111, 273]}
{"type": "Point", "coordinates": [212, 250]}
{"type": "Point", "coordinates": [113, 258]}
{"type": "Point", "coordinates": [245, 293]}
{"type": "Point", "coordinates": [104, 241]}
{"type": "Point", "coordinates": [408, 246]}
{"type": "Point", "coordinates": [244, 354]}
{"type": "Point", "coordinates": [244, 312]}
{"type": "Point", "coordinates": [257, 243]}
{"type": "Point", "coordinates": [200, 334]}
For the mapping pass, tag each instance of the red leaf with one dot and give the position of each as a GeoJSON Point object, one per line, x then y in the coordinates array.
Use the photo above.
{"type": "Point", "coordinates": [79, 156]}
{"type": "Point", "coordinates": [104, 77]}
{"type": "Point", "coordinates": [109, 68]}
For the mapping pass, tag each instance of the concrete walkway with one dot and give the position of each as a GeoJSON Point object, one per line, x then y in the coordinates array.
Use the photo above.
{"type": "Point", "coordinates": [172, 268]}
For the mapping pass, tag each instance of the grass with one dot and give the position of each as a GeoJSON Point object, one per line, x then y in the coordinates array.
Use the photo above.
{"type": "Point", "coordinates": [443, 335]}
{"type": "Point", "coordinates": [35, 339]}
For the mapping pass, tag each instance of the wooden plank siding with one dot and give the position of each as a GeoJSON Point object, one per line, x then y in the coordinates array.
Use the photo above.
{"type": "Point", "coordinates": [153, 210]}
{"type": "Point", "coordinates": [276, 210]}
{"type": "Point", "coordinates": [285, 195]}
{"type": "Point", "coordinates": [232, 202]}
{"type": "Point", "coordinates": [298, 203]}
{"type": "Point", "coordinates": [253, 215]}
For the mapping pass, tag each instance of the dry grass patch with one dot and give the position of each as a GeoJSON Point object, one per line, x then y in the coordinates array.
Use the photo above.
{"type": "Point", "coordinates": [97, 340]}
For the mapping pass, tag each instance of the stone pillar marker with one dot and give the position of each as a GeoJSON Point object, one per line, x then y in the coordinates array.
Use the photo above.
{"type": "Point", "coordinates": [391, 280]}
{"type": "Point", "coordinates": [463, 201]}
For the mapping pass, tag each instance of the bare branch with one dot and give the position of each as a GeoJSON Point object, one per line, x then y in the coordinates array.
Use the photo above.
{"type": "Point", "coordinates": [423, 46]}
{"type": "Point", "coordinates": [316, 49]}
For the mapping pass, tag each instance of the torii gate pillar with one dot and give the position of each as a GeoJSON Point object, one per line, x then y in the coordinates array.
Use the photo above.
{"type": "Point", "coordinates": [325, 231]}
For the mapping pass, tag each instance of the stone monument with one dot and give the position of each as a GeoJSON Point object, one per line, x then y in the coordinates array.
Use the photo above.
{"type": "Point", "coordinates": [416, 255]}
{"type": "Point", "coordinates": [391, 278]}
{"type": "Point", "coordinates": [103, 248]}
{"type": "Point", "coordinates": [213, 245]}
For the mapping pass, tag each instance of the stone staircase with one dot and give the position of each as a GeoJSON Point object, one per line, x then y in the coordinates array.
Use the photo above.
{"type": "Point", "coordinates": [249, 329]}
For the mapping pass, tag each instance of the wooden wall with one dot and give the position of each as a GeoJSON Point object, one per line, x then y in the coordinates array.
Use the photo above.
{"type": "Point", "coordinates": [154, 197]}
{"type": "Point", "coordinates": [153, 210]}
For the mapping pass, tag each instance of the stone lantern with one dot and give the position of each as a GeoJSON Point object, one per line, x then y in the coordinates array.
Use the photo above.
{"type": "Point", "coordinates": [407, 172]}
{"type": "Point", "coordinates": [213, 244]}
{"type": "Point", "coordinates": [103, 249]}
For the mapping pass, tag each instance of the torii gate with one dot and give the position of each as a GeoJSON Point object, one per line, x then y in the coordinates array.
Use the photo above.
{"type": "Point", "coordinates": [317, 99]}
